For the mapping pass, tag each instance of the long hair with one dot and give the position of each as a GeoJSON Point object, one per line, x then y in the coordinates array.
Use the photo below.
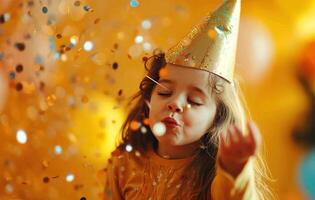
{"type": "Point", "coordinates": [230, 110]}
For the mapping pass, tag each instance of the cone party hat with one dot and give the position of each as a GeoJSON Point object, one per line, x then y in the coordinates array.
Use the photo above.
{"type": "Point", "coordinates": [211, 45]}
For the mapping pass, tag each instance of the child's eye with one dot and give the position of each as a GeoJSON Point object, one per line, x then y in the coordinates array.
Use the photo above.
{"type": "Point", "coordinates": [194, 103]}
{"type": "Point", "coordinates": [164, 94]}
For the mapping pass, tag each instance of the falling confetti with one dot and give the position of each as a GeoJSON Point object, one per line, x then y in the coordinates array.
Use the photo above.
{"type": "Point", "coordinates": [21, 136]}
{"type": "Point", "coordinates": [58, 149]}
{"type": "Point", "coordinates": [69, 177]}
{"type": "Point", "coordinates": [19, 68]}
{"type": "Point", "coordinates": [20, 46]}
{"type": "Point", "coordinates": [4, 18]}
{"type": "Point", "coordinates": [128, 148]}
{"type": "Point", "coordinates": [88, 46]}
{"type": "Point", "coordinates": [146, 24]}
{"type": "Point", "coordinates": [115, 65]}
{"type": "Point", "coordinates": [45, 10]}
{"type": "Point", "coordinates": [134, 3]}
{"type": "Point", "coordinates": [19, 86]}
{"type": "Point", "coordinates": [159, 129]}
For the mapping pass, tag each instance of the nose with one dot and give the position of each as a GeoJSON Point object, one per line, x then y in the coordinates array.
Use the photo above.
{"type": "Point", "coordinates": [174, 107]}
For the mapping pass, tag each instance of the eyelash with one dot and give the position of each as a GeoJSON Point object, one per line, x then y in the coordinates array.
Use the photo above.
{"type": "Point", "coordinates": [168, 94]}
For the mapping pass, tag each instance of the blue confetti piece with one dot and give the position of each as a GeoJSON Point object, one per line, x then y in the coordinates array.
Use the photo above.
{"type": "Point", "coordinates": [86, 8]}
{"type": "Point", "coordinates": [57, 56]}
{"type": "Point", "coordinates": [134, 3]}
{"type": "Point", "coordinates": [38, 60]}
{"type": "Point", "coordinates": [12, 75]}
{"type": "Point", "coordinates": [1, 55]}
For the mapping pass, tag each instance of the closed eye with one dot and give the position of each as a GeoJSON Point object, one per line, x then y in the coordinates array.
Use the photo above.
{"type": "Point", "coordinates": [189, 101]}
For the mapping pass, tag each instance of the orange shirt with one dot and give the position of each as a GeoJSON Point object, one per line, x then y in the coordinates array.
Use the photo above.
{"type": "Point", "coordinates": [132, 176]}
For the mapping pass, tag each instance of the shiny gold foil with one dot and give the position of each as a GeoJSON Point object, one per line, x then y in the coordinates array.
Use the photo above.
{"type": "Point", "coordinates": [211, 44]}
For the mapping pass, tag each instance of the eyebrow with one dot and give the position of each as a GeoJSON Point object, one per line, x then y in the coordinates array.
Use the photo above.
{"type": "Point", "coordinates": [199, 90]}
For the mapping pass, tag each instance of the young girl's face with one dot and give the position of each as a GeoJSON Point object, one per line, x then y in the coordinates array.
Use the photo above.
{"type": "Point", "coordinates": [186, 100]}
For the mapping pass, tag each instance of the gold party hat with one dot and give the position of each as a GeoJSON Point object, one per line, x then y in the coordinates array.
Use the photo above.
{"type": "Point", "coordinates": [211, 45]}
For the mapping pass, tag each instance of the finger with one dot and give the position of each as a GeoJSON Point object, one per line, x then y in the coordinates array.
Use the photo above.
{"type": "Point", "coordinates": [255, 133]}
{"type": "Point", "coordinates": [239, 137]}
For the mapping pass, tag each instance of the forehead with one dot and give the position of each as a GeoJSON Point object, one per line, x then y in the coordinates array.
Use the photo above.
{"type": "Point", "coordinates": [186, 76]}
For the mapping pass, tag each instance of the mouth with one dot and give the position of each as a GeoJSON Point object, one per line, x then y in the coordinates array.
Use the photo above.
{"type": "Point", "coordinates": [170, 122]}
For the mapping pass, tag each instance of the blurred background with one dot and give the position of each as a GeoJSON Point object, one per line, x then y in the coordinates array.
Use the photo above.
{"type": "Point", "coordinates": [68, 68]}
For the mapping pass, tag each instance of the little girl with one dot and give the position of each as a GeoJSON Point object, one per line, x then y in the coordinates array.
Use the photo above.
{"type": "Point", "coordinates": [194, 141]}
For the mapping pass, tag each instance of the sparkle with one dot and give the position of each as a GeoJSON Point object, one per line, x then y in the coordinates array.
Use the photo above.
{"type": "Point", "coordinates": [146, 24]}
{"type": "Point", "coordinates": [74, 39]}
{"type": "Point", "coordinates": [139, 39]}
{"type": "Point", "coordinates": [88, 46]}
{"type": "Point", "coordinates": [69, 177]}
{"type": "Point", "coordinates": [143, 129]}
{"type": "Point", "coordinates": [147, 46]}
{"type": "Point", "coordinates": [159, 129]}
{"type": "Point", "coordinates": [58, 149]}
{"type": "Point", "coordinates": [21, 136]}
{"type": "Point", "coordinates": [128, 148]}
{"type": "Point", "coordinates": [134, 3]}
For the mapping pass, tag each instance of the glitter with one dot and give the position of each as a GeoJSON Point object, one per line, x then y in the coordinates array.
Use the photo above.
{"type": "Point", "coordinates": [86, 8]}
{"type": "Point", "coordinates": [38, 60]}
{"type": "Point", "coordinates": [8, 188]}
{"type": "Point", "coordinates": [1, 55]}
{"type": "Point", "coordinates": [77, 3]}
{"type": "Point", "coordinates": [115, 65]}
{"type": "Point", "coordinates": [147, 46]}
{"type": "Point", "coordinates": [69, 177]}
{"type": "Point", "coordinates": [20, 46]}
{"type": "Point", "coordinates": [143, 129]}
{"type": "Point", "coordinates": [88, 46]}
{"type": "Point", "coordinates": [134, 125]}
{"type": "Point", "coordinates": [45, 9]}
{"type": "Point", "coordinates": [139, 39]}
{"type": "Point", "coordinates": [159, 129]}
{"type": "Point", "coordinates": [19, 68]}
{"type": "Point", "coordinates": [4, 18]}
{"type": "Point", "coordinates": [58, 149]}
{"type": "Point", "coordinates": [128, 148]}
{"type": "Point", "coordinates": [46, 179]}
{"type": "Point", "coordinates": [19, 86]}
{"type": "Point", "coordinates": [12, 75]}
{"type": "Point", "coordinates": [74, 39]}
{"type": "Point", "coordinates": [134, 3]}
{"type": "Point", "coordinates": [63, 57]}
{"type": "Point", "coordinates": [21, 136]}
{"type": "Point", "coordinates": [146, 24]}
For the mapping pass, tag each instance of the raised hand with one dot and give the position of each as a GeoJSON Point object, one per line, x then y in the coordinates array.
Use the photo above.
{"type": "Point", "coordinates": [236, 148]}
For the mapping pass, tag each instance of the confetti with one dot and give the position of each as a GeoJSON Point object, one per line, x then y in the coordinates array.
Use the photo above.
{"type": "Point", "coordinates": [88, 46]}
{"type": "Point", "coordinates": [159, 129]}
{"type": "Point", "coordinates": [134, 125]}
{"type": "Point", "coordinates": [12, 75]}
{"type": "Point", "coordinates": [147, 46]}
{"type": "Point", "coordinates": [19, 86]}
{"type": "Point", "coordinates": [86, 8]}
{"type": "Point", "coordinates": [58, 149]}
{"type": "Point", "coordinates": [58, 36]}
{"type": "Point", "coordinates": [74, 39]}
{"type": "Point", "coordinates": [77, 3]}
{"type": "Point", "coordinates": [69, 177]}
{"type": "Point", "coordinates": [82, 198]}
{"type": "Point", "coordinates": [4, 18]}
{"type": "Point", "coordinates": [163, 72]}
{"type": "Point", "coordinates": [120, 92]}
{"type": "Point", "coordinates": [134, 3]}
{"type": "Point", "coordinates": [8, 188]}
{"type": "Point", "coordinates": [115, 65]}
{"type": "Point", "coordinates": [128, 148]}
{"type": "Point", "coordinates": [20, 46]}
{"type": "Point", "coordinates": [139, 39]}
{"type": "Point", "coordinates": [21, 136]}
{"type": "Point", "coordinates": [19, 68]}
{"type": "Point", "coordinates": [143, 129]}
{"type": "Point", "coordinates": [45, 10]}
{"type": "Point", "coordinates": [46, 179]}
{"type": "Point", "coordinates": [146, 24]}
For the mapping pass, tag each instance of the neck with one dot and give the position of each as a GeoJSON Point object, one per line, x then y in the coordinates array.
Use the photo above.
{"type": "Point", "coordinates": [176, 152]}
